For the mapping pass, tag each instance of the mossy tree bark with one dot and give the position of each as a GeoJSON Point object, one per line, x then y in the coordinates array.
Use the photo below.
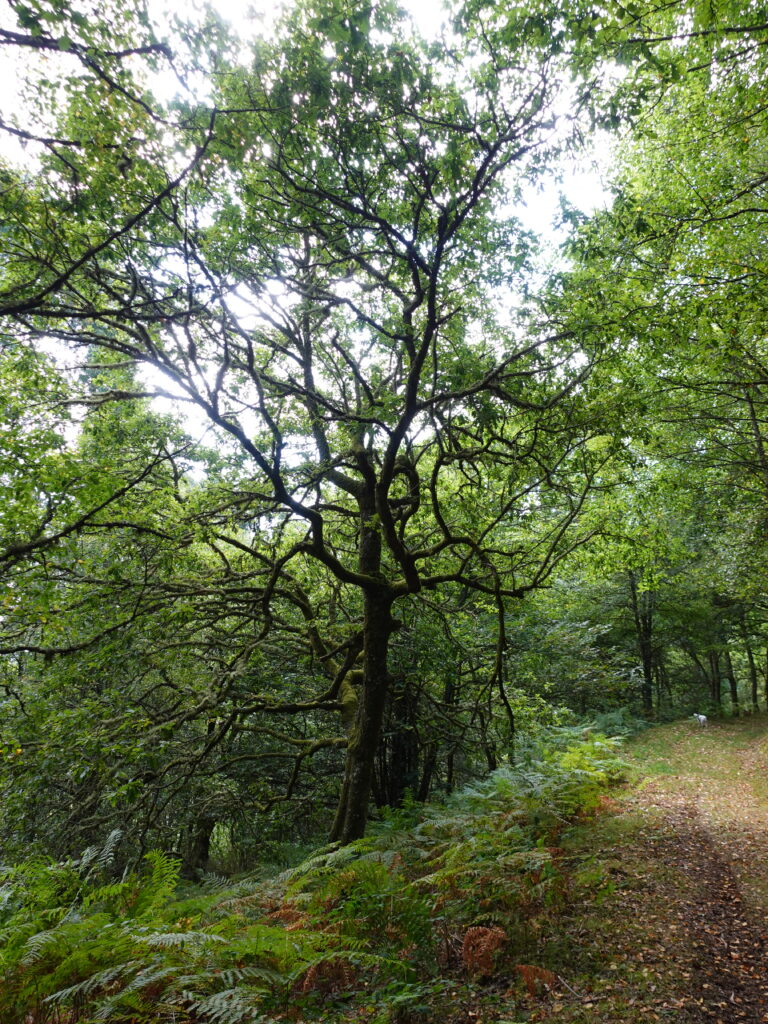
{"type": "Point", "coordinates": [352, 812]}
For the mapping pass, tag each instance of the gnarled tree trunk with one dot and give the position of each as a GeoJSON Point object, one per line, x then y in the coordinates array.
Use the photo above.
{"type": "Point", "coordinates": [365, 735]}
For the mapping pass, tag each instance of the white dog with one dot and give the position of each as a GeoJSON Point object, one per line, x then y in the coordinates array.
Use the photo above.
{"type": "Point", "coordinates": [701, 719]}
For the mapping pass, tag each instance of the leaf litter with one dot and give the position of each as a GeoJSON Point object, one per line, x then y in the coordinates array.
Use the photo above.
{"type": "Point", "coordinates": [680, 934]}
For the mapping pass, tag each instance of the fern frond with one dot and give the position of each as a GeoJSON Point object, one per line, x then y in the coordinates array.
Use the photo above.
{"type": "Point", "coordinates": [168, 940]}
{"type": "Point", "coordinates": [148, 975]}
{"type": "Point", "coordinates": [237, 975]}
{"type": "Point", "coordinates": [535, 978]}
{"type": "Point", "coordinates": [231, 1006]}
{"type": "Point", "coordinates": [329, 861]}
{"type": "Point", "coordinates": [106, 894]}
{"type": "Point", "coordinates": [126, 998]}
{"type": "Point", "coordinates": [92, 984]}
{"type": "Point", "coordinates": [107, 853]}
{"type": "Point", "coordinates": [212, 882]}
{"type": "Point", "coordinates": [159, 886]}
{"type": "Point", "coordinates": [100, 857]}
{"type": "Point", "coordinates": [36, 945]}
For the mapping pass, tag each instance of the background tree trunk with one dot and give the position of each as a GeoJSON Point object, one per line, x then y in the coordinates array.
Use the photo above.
{"type": "Point", "coordinates": [751, 662]}
{"type": "Point", "coordinates": [642, 610]}
{"type": "Point", "coordinates": [732, 683]}
{"type": "Point", "coordinates": [715, 679]}
{"type": "Point", "coordinates": [398, 756]}
{"type": "Point", "coordinates": [199, 847]}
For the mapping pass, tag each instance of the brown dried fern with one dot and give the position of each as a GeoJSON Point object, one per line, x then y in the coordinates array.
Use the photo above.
{"type": "Point", "coordinates": [478, 948]}
{"type": "Point", "coordinates": [536, 978]}
{"type": "Point", "coordinates": [290, 917]}
{"type": "Point", "coordinates": [328, 977]}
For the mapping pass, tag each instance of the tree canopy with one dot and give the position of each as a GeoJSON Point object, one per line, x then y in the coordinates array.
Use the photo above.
{"type": "Point", "coordinates": [415, 484]}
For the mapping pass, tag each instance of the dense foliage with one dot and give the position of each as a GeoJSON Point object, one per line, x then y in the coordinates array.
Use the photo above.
{"type": "Point", "coordinates": [325, 482]}
{"type": "Point", "coordinates": [382, 929]}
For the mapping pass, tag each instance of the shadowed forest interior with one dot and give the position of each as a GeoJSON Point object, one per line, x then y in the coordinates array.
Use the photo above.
{"type": "Point", "coordinates": [353, 513]}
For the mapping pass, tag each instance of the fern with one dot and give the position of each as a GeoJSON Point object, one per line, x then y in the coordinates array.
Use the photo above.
{"type": "Point", "coordinates": [150, 974]}
{"type": "Point", "coordinates": [214, 883]}
{"type": "Point", "coordinates": [325, 864]}
{"type": "Point", "coordinates": [159, 887]}
{"type": "Point", "coordinates": [241, 975]}
{"type": "Point", "coordinates": [231, 1006]}
{"type": "Point", "coordinates": [94, 983]}
{"type": "Point", "coordinates": [100, 857]}
{"type": "Point", "coordinates": [367, 922]}
{"type": "Point", "coordinates": [166, 940]}
{"type": "Point", "coordinates": [37, 944]}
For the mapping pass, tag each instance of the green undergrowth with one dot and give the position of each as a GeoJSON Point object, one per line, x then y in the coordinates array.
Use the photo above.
{"type": "Point", "coordinates": [418, 922]}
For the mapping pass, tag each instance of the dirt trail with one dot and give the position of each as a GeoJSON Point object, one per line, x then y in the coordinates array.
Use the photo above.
{"type": "Point", "coordinates": [726, 943]}
{"type": "Point", "coordinates": [713, 830]}
{"type": "Point", "coordinates": [668, 916]}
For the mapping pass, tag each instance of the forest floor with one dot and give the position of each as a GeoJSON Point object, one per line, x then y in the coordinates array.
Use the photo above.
{"type": "Point", "coordinates": [667, 916]}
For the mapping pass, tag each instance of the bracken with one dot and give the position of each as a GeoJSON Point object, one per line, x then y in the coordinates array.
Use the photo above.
{"type": "Point", "coordinates": [329, 976]}
{"type": "Point", "coordinates": [479, 945]}
{"type": "Point", "coordinates": [536, 978]}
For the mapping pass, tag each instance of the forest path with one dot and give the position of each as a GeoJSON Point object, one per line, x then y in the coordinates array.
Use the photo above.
{"type": "Point", "coordinates": [718, 777]}
{"type": "Point", "coordinates": [677, 929]}
{"type": "Point", "coordinates": [710, 788]}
